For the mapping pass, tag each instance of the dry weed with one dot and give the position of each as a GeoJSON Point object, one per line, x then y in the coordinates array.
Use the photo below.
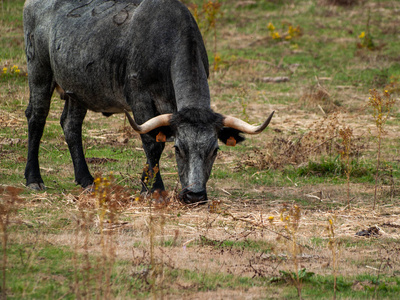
{"type": "Point", "coordinates": [9, 201]}
{"type": "Point", "coordinates": [320, 138]}
{"type": "Point", "coordinates": [382, 105]}
{"type": "Point", "coordinates": [333, 246]}
{"type": "Point", "coordinates": [346, 134]}
{"type": "Point", "coordinates": [318, 97]}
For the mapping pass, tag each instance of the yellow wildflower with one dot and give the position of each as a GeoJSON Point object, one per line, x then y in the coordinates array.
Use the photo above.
{"type": "Point", "coordinates": [217, 60]}
{"type": "Point", "coordinates": [276, 35]}
{"type": "Point", "coordinates": [5, 70]}
{"type": "Point", "coordinates": [362, 35]}
{"type": "Point", "coordinates": [271, 27]}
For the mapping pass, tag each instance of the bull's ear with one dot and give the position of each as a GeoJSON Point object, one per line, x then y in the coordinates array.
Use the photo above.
{"type": "Point", "coordinates": [230, 136]}
{"type": "Point", "coordinates": [162, 134]}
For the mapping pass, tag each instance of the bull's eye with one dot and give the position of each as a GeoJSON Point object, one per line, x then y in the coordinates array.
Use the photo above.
{"type": "Point", "coordinates": [177, 150]}
{"type": "Point", "coordinates": [215, 151]}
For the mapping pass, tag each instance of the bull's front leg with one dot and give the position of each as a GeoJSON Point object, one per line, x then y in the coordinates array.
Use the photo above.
{"type": "Point", "coordinates": [71, 122]}
{"type": "Point", "coordinates": [36, 114]}
{"type": "Point", "coordinates": [153, 151]}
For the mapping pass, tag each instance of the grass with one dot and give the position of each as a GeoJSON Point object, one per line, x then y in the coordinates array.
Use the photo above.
{"type": "Point", "coordinates": [232, 250]}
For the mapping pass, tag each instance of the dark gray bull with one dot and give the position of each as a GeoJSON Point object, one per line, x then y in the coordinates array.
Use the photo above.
{"type": "Point", "coordinates": [147, 57]}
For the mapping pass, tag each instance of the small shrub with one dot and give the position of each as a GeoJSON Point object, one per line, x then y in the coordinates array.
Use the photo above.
{"type": "Point", "coordinates": [291, 33]}
{"type": "Point", "coordinates": [11, 72]}
{"type": "Point", "coordinates": [366, 38]}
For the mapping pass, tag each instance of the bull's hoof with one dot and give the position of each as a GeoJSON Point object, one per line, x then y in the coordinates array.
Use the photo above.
{"type": "Point", "coordinates": [36, 186]}
{"type": "Point", "coordinates": [90, 188]}
{"type": "Point", "coordinates": [189, 197]}
{"type": "Point", "coordinates": [202, 202]}
{"type": "Point", "coordinates": [85, 182]}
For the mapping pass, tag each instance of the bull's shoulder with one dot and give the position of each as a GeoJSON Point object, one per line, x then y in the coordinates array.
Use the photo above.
{"type": "Point", "coordinates": [37, 9]}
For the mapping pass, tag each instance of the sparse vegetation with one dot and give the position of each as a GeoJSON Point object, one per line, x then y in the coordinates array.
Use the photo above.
{"type": "Point", "coordinates": [318, 154]}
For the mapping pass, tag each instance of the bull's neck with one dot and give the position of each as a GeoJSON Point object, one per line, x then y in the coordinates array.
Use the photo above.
{"type": "Point", "coordinates": [190, 82]}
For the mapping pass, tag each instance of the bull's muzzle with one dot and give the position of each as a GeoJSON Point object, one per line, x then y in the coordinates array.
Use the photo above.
{"type": "Point", "coordinates": [190, 197]}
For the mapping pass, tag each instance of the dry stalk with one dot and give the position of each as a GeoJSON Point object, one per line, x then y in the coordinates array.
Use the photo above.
{"type": "Point", "coordinates": [103, 206]}
{"type": "Point", "coordinates": [346, 134]}
{"type": "Point", "coordinates": [382, 106]}
{"type": "Point", "coordinates": [83, 287]}
{"type": "Point", "coordinates": [9, 201]}
{"type": "Point", "coordinates": [333, 245]}
{"type": "Point", "coordinates": [291, 217]}
{"type": "Point", "coordinates": [157, 200]}
{"type": "Point", "coordinates": [268, 228]}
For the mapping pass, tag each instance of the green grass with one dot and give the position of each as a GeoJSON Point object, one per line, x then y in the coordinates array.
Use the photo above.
{"type": "Point", "coordinates": [42, 269]}
{"type": "Point", "coordinates": [38, 271]}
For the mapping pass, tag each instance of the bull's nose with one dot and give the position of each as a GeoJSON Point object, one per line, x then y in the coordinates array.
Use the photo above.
{"type": "Point", "coordinates": [190, 197]}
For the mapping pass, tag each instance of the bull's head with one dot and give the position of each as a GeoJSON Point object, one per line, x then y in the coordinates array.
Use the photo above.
{"type": "Point", "coordinates": [196, 132]}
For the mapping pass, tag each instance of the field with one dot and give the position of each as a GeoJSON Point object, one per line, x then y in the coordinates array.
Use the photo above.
{"type": "Point", "coordinates": [308, 209]}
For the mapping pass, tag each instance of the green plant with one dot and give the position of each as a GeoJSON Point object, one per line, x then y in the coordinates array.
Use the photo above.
{"type": "Point", "coordinates": [11, 72]}
{"type": "Point", "coordinates": [366, 38]}
{"type": "Point", "coordinates": [288, 276]}
{"type": "Point", "coordinates": [291, 33]}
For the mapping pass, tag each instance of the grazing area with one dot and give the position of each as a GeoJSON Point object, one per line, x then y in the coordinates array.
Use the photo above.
{"type": "Point", "coordinates": [307, 209]}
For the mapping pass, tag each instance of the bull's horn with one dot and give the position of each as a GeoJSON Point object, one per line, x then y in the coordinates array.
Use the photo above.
{"type": "Point", "coordinates": [244, 126]}
{"type": "Point", "coordinates": [153, 123]}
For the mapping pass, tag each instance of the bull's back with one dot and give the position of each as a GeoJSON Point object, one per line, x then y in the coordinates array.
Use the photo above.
{"type": "Point", "coordinates": [94, 47]}
{"type": "Point", "coordinates": [83, 45]}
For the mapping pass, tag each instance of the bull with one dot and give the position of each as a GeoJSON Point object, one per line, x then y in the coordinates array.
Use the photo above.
{"type": "Point", "coordinates": [125, 56]}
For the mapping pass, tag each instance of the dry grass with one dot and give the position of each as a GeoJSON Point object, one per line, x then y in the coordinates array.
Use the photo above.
{"type": "Point", "coordinates": [194, 234]}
